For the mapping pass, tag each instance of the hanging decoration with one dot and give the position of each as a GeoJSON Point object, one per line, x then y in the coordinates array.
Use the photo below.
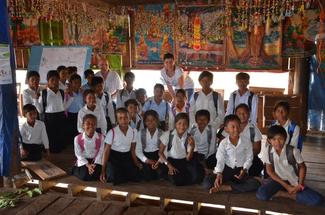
{"type": "Point", "coordinates": [154, 32]}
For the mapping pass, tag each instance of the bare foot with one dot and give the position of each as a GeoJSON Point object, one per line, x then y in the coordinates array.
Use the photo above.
{"type": "Point", "coordinates": [222, 188]}
{"type": "Point", "coordinates": [214, 190]}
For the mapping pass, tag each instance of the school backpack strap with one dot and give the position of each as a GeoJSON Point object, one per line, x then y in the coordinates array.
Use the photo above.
{"type": "Point", "coordinates": [138, 124]}
{"type": "Point", "coordinates": [170, 140]}
{"type": "Point", "coordinates": [44, 99]}
{"type": "Point", "coordinates": [209, 138]}
{"type": "Point", "coordinates": [252, 134]}
{"type": "Point", "coordinates": [250, 99]}
{"type": "Point", "coordinates": [143, 133]}
{"type": "Point", "coordinates": [215, 96]}
{"type": "Point", "coordinates": [196, 94]}
{"type": "Point", "coordinates": [234, 94]}
{"type": "Point", "coordinates": [121, 94]}
{"type": "Point", "coordinates": [173, 109]}
{"type": "Point", "coordinates": [106, 96]}
{"type": "Point", "coordinates": [81, 142]}
{"type": "Point", "coordinates": [113, 135]}
{"type": "Point", "coordinates": [160, 132]}
{"type": "Point", "coordinates": [291, 130]}
{"type": "Point", "coordinates": [62, 94]}
{"type": "Point", "coordinates": [291, 158]}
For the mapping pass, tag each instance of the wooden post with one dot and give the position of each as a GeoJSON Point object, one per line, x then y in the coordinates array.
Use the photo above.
{"type": "Point", "coordinates": [131, 197]}
{"type": "Point", "coordinates": [196, 208]}
{"type": "Point", "coordinates": [164, 202]}
{"type": "Point", "coordinates": [46, 185]}
{"type": "Point", "coordinates": [73, 190]}
{"type": "Point", "coordinates": [102, 193]}
{"type": "Point", "coordinates": [261, 212]}
{"type": "Point", "coordinates": [228, 210]}
{"type": "Point", "coordinates": [301, 83]}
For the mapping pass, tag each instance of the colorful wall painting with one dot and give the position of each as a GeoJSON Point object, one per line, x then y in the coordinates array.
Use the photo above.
{"type": "Point", "coordinates": [25, 32]}
{"type": "Point", "coordinates": [154, 32]}
{"type": "Point", "coordinates": [200, 33]}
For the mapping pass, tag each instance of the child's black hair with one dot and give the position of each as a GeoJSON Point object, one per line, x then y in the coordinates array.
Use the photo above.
{"type": "Point", "coordinates": [72, 69]}
{"type": "Point", "coordinates": [242, 76]}
{"type": "Point", "coordinates": [88, 91]}
{"type": "Point", "coordinates": [74, 77]}
{"type": "Point", "coordinates": [152, 113]}
{"type": "Point", "coordinates": [180, 116]}
{"type": "Point", "coordinates": [202, 112]}
{"type": "Point", "coordinates": [131, 102]}
{"type": "Point", "coordinates": [244, 106]}
{"type": "Point", "coordinates": [89, 116]}
{"type": "Point", "coordinates": [29, 108]}
{"type": "Point", "coordinates": [51, 74]}
{"type": "Point", "coordinates": [60, 68]}
{"type": "Point", "coordinates": [88, 72]}
{"type": "Point", "coordinates": [168, 56]}
{"type": "Point", "coordinates": [96, 80]}
{"type": "Point", "coordinates": [121, 110]}
{"type": "Point", "coordinates": [159, 86]}
{"type": "Point", "coordinates": [206, 74]}
{"type": "Point", "coordinates": [129, 75]}
{"type": "Point", "coordinates": [181, 91]}
{"type": "Point", "coordinates": [283, 104]}
{"type": "Point", "coordinates": [32, 74]}
{"type": "Point", "coordinates": [140, 91]}
{"type": "Point", "coordinates": [229, 118]}
{"type": "Point", "coordinates": [276, 130]}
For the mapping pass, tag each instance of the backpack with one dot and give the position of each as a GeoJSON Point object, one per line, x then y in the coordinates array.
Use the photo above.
{"type": "Point", "coordinates": [171, 138]}
{"type": "Point", "coordinates": [81, 143]}
{"type": "Point", "coordinates": [209, 135]}
{"type": "Point", "coordinates": [215, 96]}
{"type": "Point", "coordinates": [138, 124]}
{"type": "Point", "coordinates": [291, 130]}
{"type": "Point", "coordinates": [44, 98]}
{"type": "Point", "coordinates": [250, 99]}
{"type": "Point", "coordinates": [290, 157]}
{"type": "Point", "coordinates": [144, 137]}
{"type": "Point", "coordinates": [252, 134]}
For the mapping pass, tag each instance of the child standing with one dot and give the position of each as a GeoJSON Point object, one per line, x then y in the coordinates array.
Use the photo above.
{"type": "Point", "coordinates": [33, 91]}
{"type": "Point", "coordinates": [104, 100]}
{"type": "Point", "coordinates": [243, 95]}
{"type": "Point", "coordinates": [135, 118]}
{"type": "Point", "coordinates": [52, 104]}
{"type": "Point", "coordinates": [207, 99]}
{"type": "Point", "coordinates": [180, 105]}
{"type": "Point", "coordinates": [205, 138]}
{"type": "Point", "coordinates": [147, 147]}
{"type": "Point", "coordinates": [234, 158]}
{"type": "Point", "coordinates": [88, 148]}
{"type": "Point", "coordinates": [287, 170]}
{"type": "Point", "coordinates": [281, 114]}
{"type": "Point", "coordinates": [120, 164]}
{"type": "Point", "coordinates": [75, 105]}
{"type": "Point", "coordinates": [63, 76]}
{"type": "Point", "coordinates": [88, 74]}
{"type": "Point", "coordinates": [34, 136]}
{"type": "Point", "coordinates": [91, 107]}
{"type": "Point", "coordinates": [141, 96]}
{"type": "Point", "coordinates": [251, 132]}
{"type": "Point", "coordinates": [183, 168]}
{"type": "Point", "coordinates": [127, 92]}
{"type": "Point", "coordinates": [159, 105]}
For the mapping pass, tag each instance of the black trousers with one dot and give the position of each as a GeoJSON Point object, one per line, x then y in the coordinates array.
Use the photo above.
{"type": "Point", "coordinates": [121, 169]}
{"type": "Point", "coordinates": [34, 151]}
{"type": "Point", "coordinates": [72, 130]}
{"type": "Point", "coordinates": [55, 124]}
{"type": "Point", "coordinates": [246, 184]}
{"type": "Point", "coordinates": [256, 167]}
{"type": "Point", "coordinates": [83, 173]}
{"type": "Point", "coordinates": [147, 172]}
{"type": "Point", "coordinates": [210, 162]}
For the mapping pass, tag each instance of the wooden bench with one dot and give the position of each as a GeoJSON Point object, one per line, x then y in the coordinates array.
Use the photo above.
{"type": "Point", "coordinates": [196, 194]}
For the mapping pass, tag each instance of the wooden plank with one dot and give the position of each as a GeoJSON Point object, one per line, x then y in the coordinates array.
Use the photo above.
{"type": "Point", "coordinates": [163, 203]}
{"type": "Point", "coordinates": [46, 185]}
{"type": "Point", "coordinates": [96, 208]}
{"type": "Point", "coordinates": [140, 210]}
{"type": "Point", "coordinates": [115, 209]}
{"type": "Point", "coordinates": [42, 202]}
{"type": "Point", "coordinates": [183, 213]}
{"type": "Point", "coordinates": [58, 206]}
{"type": "Point", "coordinates": [101, 194]}
{"type": "Point", "coordinates": [76, 207]}
{"type": "Point", "coordinates": [73, 190]}
{"type": "Point", "coordinates": [130, 198]}
{"type": "Point", "coordinates": [155, 211]}
{"type": "Point", "coordinates": [44, 169]}
{"type": "Point", "coordinates": [196, 208]}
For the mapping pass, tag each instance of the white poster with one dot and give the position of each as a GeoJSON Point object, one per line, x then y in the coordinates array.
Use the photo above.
{"type": "Point", "coordinates": [5, 69]}
{"type": "Point", "coordinates": [55, 56]}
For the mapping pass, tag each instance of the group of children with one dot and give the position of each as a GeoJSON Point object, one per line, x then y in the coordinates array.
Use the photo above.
{"type": "Point", "coordinates": [186, 142]}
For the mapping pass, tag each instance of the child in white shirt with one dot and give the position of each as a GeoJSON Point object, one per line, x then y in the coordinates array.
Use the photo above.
{"type": "Point", "coordinates": [136, 121]}
{"type": "Point", "coordinates": [33, 90]}
{"type": "Point", "coordinates": [180, 105]}
{"type": "Point", "coordinates": [88, 148]}
{"type": "Point", "coordinates": [128, 92]}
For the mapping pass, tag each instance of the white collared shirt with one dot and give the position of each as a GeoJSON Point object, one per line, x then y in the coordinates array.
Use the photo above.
{"type": "Point", "coordinates": [123, 95]}
{"type": "Point", "coordinates": [98, 112]}
{"type": "Point", "coordinates": [62, 86]}
{"type": "Point", "coordinates": [138, 119]}
{"type": "Point", "coordinates": [247, 132]}
{"type": "Point", "coordinates": [177, 150]}
{"type": "Point", "coordinates": [151, 145]}
{"type": "Point", "coordinates": [54, 102]}
{"type": "Point", "coordinates": [206, 102]}
{"type": "Point", "coordinates": [112, 82]}
{"type": "Point", "coordinates": [120, 142]}
{"type": "Point", "coordinates": [34, 134]}
{"type": "Point", "coordinates": [89, 149]}
{"type": "Point", "coordinates": [202, 144]}
{"type": "Point", "coordinates": [172, 81]}
{"type": "Point", "coordinates": [243, 99]}
{"type": "Point", "coordinates": [295, 136]}
{"type": "Point", "coordinates": [281, 165]}
{"type": "Point", "coordinates": [171, 118]}
{"type": "Point", "coordinates": [108, 108]}
{"type": "Point", "coordinates": [28, 96]}
{"type": "Point", "coordinates": [234, 156]}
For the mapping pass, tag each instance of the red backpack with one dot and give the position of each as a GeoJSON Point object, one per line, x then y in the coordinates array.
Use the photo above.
{"type": "Point", "coordinates": [81, 143]}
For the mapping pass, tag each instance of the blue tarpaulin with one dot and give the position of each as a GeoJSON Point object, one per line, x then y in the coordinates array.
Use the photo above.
{"type": "Point", "coordinates": [8, 99]}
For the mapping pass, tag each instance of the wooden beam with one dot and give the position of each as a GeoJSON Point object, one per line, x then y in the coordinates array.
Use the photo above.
{"type": "Point", "coordinates": [164, 202]}
{"type": "Point", "coordinates": [101, 194]}
{"type": "Point", "coordinates": [228, 210]}
{"type": "Point", "coordinates": [46, 185]}
{"type": "Point", "coordinates": [73, 190]}
{"type": "Point", "coordinates": [131, 197]}
{"type": "Point", "coordinates": [196, 208]}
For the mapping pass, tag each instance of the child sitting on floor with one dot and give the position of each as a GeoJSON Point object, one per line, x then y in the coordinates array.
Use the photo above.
{"type": "Point", "coordinates": [287, 171]}
{"type": "Point", "coordinates": [33, 134]}
{"type": "Point", "coordinates": [234, 158]}
{"type": "Point", "coordinates": [88, 148]}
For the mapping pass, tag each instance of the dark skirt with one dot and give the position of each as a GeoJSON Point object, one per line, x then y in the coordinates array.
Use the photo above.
{"type": "Point", "coordinates": [82, 172]}
{"type": "Point", "coordinates": [34, 151]}
{"type": "Point", "coordinates": [55, 124]}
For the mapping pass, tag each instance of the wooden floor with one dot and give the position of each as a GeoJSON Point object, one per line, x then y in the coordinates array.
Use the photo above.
{"type": "Point", "coordinates": [55, 202]}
